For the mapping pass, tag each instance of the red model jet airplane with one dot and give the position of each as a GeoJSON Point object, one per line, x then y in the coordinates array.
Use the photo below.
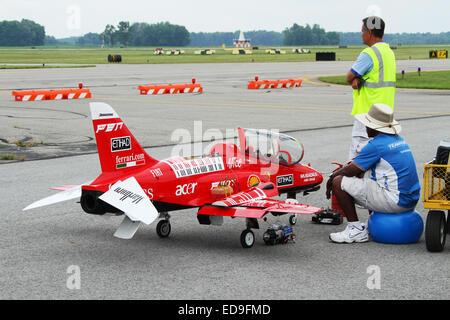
{"type": "Point", "coordinates": [230, 181]}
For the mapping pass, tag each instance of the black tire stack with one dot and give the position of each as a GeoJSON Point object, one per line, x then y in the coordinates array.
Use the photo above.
{"type": "Point", "coordinates": [116, 58]}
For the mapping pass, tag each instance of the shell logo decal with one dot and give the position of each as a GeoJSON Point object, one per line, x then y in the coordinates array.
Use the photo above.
{"type": "Point", "coordinates": [253, 180]}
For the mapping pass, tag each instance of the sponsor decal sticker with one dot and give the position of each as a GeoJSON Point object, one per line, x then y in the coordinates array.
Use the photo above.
{"type": "Point", "coordinates": [101, 115]}
{"type": "Point", "coordinates": [156, 172]}
{"type": "Point", "coordinates": [223, 183]}
{"type": "Point", "coordinates": [186, 168]}
{"type": "Point", "coordinates": [149, 193]}
{"type": "Point", "coordinates": [253, 180]}
{"type": "Point", "coordinates": [286, 180]}
{"type": "Point", "coordinates": [186, 189]}
{"type": "Point", "coordinates": [130, 161]}
{"type": "Point", "coordinates": [234, 163]}
{"type": "Point", "coordinates": [109, 127]}
{"type": "Point", "coordinates": [120, 144]}
{"type": "Point", "coordinates": [136, 198]}
{"type": "Point", "coordinates": [307, 177]}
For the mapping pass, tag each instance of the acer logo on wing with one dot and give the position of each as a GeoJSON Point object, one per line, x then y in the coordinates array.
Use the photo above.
{"type": "Point", "coordinates": [109, 127]}
{"type": "Point", "coordinates": [183, 190]}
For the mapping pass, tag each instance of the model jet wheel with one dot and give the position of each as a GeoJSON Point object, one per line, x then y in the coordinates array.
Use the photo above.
{"type": "Point", "coordinates": [163, 228]}
{"type": "Point", "coordinates": [247, 238]}
{"type": "Point", "coordinates": [293, 220]}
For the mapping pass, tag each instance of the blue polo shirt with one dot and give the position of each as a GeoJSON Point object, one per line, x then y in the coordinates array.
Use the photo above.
{"type": "Point", "coordinates": [363, 65]}
{"type": "Point", "coordinates": [393, 167]}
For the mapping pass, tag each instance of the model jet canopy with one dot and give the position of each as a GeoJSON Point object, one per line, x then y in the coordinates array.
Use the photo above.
{"type": "Point", "coordinates": [271, 146]}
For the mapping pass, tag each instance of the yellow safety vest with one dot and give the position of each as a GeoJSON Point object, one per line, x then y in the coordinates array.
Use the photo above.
{"type": "Point", "coordinates": [378, 86]}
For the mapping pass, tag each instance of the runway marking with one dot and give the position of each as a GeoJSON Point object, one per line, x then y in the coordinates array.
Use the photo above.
{"type": "Point", "coordinates": [261, 106]}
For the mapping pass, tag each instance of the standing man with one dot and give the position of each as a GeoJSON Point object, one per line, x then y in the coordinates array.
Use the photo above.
{"type": "Point", "coordinates": [372, 77]}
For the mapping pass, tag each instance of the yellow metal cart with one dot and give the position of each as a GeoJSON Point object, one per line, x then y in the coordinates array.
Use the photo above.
{"type": "Point", "coordinates": [436, 197]}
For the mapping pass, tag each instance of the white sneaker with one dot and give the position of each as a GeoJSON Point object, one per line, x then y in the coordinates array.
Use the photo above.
{"type": "Point", "coordinates": [350, 235]}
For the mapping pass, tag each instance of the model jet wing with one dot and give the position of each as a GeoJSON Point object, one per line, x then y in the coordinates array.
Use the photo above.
{"type": "Point", "coordinates": [279, 206]}
{"type": "Point", "coordinates": [258, 209]}
{"type": "Point", "coordinates": [63, 188]}
{"type": "Point", "coordinates": [129, 197]}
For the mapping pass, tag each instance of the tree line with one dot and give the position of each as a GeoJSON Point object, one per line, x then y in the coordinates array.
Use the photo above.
{"type": "Point", "coordinates": [166, 34]}
{"type": "Point", "coordinates": [21, 33]}
{"type": "Point", "coordinates": [299, 35]}
{"type": "Point", "coordinates": [163, 34]}
{"type": "Point", "coordinates": [354, 38]}
{"type": "Point", "coordinates": [144, 34]}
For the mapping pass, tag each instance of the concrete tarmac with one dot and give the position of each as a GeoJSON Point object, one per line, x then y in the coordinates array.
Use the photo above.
{"type": "Point", "coordinates": [199, 262]}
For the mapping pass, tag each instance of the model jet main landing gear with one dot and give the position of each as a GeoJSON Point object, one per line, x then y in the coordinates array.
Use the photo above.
{"type": "Point", "coordinates": [163, 227]}
{"type": "Point", "coordinates": [293, 220]}
{"type": "Point", "coordinates": [247, 238]}
{"type": "Point", "coordinates": [292, 199]}
{"type": "Point", "coordinates": [273, 235]}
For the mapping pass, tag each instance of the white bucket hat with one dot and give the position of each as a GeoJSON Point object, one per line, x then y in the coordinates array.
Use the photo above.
{"type": "Point", "coordinates": [380, 118]}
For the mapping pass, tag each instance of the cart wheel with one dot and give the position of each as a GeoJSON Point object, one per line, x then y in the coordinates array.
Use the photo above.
{"type": "Point", "coordinates": [448, 222]}
{"type": "Point", "coordinates": [435, 232]}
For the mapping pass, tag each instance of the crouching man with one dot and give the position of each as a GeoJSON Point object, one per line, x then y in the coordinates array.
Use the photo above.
{"type": "Point", "coordinates": [389, 180]}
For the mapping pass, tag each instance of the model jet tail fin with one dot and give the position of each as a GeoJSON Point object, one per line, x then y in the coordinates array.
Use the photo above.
{"type": "Point", "coordinates": [118, 149]}
{"type": "Point", "coordinates": [127, 229]}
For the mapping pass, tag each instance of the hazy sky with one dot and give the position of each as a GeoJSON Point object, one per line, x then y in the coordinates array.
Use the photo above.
{"type": "Point", "coordinates": [66, 18]}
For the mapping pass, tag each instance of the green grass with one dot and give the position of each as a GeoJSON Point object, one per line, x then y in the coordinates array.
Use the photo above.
{"type": "Point", "coordinates": [427, 80]}
{"type": "Point", "coordinates": [78, 55]}
{"type": "Point", "coordinates": [10, 156]}
{"type": "Point", "coordinates": [7, 67]}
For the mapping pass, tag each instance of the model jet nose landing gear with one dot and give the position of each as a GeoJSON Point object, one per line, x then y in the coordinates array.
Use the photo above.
{"type": "Point", "coordinates": [163, 228]}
